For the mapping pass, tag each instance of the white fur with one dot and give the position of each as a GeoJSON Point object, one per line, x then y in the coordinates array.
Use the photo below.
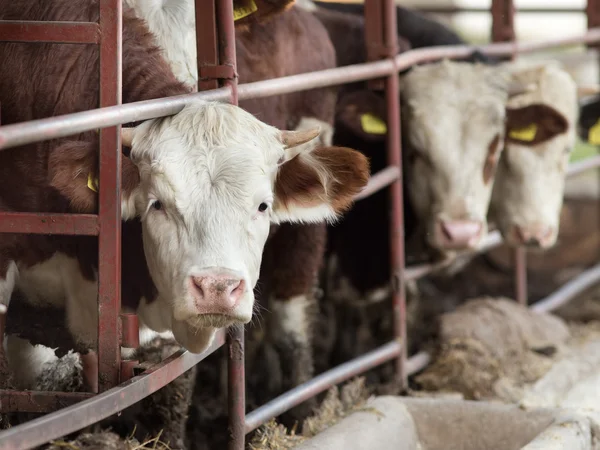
{"type": "Point", "coordinates": [173, 24]}
{"type": "Point", "coordinates": [26, 361]}
{"type": "Point", "coordinates": [530, 180]}
{"type": "Point", "coordinates": [453, 111]}
{"type": "Point", "coordinates": [291, 319]}
{"type": "Point", "coordinates": [7, 284]}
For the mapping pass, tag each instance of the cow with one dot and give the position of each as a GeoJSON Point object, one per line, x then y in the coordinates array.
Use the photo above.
{"type": "Point", "coordinates": [528, 193]}
{"type": "Point", "coordinates": [200, 189]}
{"type": "Point", "coordinates": [287, 43]}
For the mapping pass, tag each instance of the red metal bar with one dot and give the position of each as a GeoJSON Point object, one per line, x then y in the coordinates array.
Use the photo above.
{"type": "Point", "coordinates": [130, 336]}
{"type": "Point", "coordinates": [394, 149]}
{"type": "Point", "coordinates": [109, 241]}
{"type": "Point", "coordinates": [38, 401]}
{"type": "Point", "coordinates": [206, 41]}
{"type": "Point", "coordinates": [57, 32]}
{"type": "Point", "coordinates": [433, 9]}
{"type": "Point", "coordinates": [236, 378]}
{"type": "Point", "coordinates": [99, 407]}
{"type": "Point", "coordinates": [43, 223]}
{"type": "Point", "coordinates": [503, 21]}
{"type": "Point", "coordinates": [66, 125]}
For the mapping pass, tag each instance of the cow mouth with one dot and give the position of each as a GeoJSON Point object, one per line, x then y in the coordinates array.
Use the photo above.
{"type": "Point", "coordinates": [211, 321]}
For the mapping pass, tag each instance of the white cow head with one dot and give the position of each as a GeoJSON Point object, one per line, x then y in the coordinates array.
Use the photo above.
{"type": "Point", "coordinates": [453, 117]}
{"type": "Point", "coordinates": [528, 193]}
{"type": "Point", "coordinates": [206, 184]}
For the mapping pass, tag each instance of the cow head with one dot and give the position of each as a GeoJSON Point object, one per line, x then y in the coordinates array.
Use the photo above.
{"type": "Point", "coordinates": [453, 130]}
{"type": "Point", "coordinates": [206, 184]}
{"type": "Point", "coordinates": [540, 135]}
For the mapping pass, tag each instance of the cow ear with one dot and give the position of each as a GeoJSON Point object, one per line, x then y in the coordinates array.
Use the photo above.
{"type": "Point", "coordinates": [319, 185]}
{"type": "Point", "coordinates": [247, 12]}
{"type": "Point", "coordinates": [73, 172]}
{"type": "Point", "coordinates": [534, 124]}
{"type": "Point", "coordinates": [363, 113]}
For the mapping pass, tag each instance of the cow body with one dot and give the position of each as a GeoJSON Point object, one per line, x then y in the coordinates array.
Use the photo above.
{"type": "Point", "coordinates": [197, 211]}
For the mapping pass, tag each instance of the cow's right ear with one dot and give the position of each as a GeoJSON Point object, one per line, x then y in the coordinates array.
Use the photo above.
{"type": "Point", "coordinates": [364, 114]}
{"type": "Point", "coordinates": [72, 171]}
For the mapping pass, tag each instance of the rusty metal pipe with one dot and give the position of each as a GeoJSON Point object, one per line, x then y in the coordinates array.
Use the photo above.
{"type": "Point", "coordinates": [87, 412]}
{"type": "Point", "coordinates": [330, 378]}
{"type": "Point", "coordinates": [60, 126]}
{"type": "Point", "coordinates": [55, 32]}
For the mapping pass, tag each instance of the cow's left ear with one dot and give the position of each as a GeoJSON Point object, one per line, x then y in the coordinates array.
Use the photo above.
{"type": "Point", "coordinates": [247, 12]}
{"type": "Point", "coordinates": [318, 185]}
{"type": "Point", "coordinates": [534, 124]}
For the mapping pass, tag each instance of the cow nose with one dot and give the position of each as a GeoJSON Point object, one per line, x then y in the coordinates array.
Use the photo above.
{"type": "Point", "coordinates": [536, 236]}
{"type": "Point", "coordinates": [457, 234]}
{"type": "Point", "coordinates": [217, 292]}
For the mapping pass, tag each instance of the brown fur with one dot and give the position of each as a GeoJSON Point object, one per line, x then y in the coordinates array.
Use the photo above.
{"type": "Point", "coordinates": [298, 176]}
{"type": "Point", "coordinates": [549, 123]}
{"type": "Point", "coordinates": [491, 162]}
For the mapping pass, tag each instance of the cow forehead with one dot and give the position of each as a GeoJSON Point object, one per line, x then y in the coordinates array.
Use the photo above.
{"type": "Point", "coordinates": [208, 131]}
{"type": "Point", "coordinates": [451, 103]}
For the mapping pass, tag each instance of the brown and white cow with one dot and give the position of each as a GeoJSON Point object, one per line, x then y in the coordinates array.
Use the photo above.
{"type": "Point", "coordinates": [289, 43]}
{"type": "Point", "coordinates": [200, 189]}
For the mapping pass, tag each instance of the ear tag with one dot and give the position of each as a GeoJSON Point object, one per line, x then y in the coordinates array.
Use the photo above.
{"type": "Point", "coordinates": [92, 183]}
{"type": "Point", "coordinates": [594, 134]}
{"type": "Point", "coordinates": [526, 134]}
{"type": "Point", "coordinates": [244, 11]}
{"type": "Point", "coordinates": [372, 124]}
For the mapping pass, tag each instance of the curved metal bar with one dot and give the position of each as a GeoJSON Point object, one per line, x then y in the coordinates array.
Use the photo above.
{"type": "Point", "coordinates": [55, 127]}
{"type": "Point", "coordinates": [85, 413]}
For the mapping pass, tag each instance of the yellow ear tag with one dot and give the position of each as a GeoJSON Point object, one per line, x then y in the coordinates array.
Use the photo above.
{"type": "Point", "coordinates": [526, 134]}
{"type": "Point", "coordinates": [594, 134]}
{"type": "Point", "coordinates": [92, 183]}
{"type": "Point", "coordinates": [243, 11]}
{"type": "Point", "coordinates": [372, 124]}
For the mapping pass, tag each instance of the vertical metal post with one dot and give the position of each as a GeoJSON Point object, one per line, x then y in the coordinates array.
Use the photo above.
{"type": "Point", "coordinates": [109, 240]}
{"type": "Point", "coordinates": [206, 41]}
{"type": "Point", "coordinates": [503, 29]}
{"type": "Point", "coordinates": [381, 37]}
{"type": "Point", "coordinates": [394, 149]}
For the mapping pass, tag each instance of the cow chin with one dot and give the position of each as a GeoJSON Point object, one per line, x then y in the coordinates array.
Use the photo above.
{"type": "Point", "coordinates": [193, 339]}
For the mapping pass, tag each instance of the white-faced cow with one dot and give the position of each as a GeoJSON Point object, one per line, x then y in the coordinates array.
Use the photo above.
{"type": "Point", "coordinates": [200, 189]}
{"type": "Point", "coordinates": [528, 192]}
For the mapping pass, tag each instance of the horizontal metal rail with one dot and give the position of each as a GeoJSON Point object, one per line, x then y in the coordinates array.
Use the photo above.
{"type": "Point", "coordinates": [60, 126]}
{"type": "Point", "coordinates": [44, 223]}
{"type": "Point", "coordinates": [38, 401]}
{"type": "Point", "coordinates": [334, 376]}
{"type": "Point", "coordinates": [569, 291]}
{"type": "Point", "coordinates": [378, 181]}
{"type": "Point", "coordinates": [101, 406]}
{"type": "Point", "coordinates": [56, 32]}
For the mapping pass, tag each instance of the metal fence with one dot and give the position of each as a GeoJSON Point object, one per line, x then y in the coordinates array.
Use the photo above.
{"type": "Point", "coordinates": [216, 55]}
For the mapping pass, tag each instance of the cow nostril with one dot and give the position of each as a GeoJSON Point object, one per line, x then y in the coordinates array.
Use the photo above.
{"type": "Point", "coordinates": [238, 289]}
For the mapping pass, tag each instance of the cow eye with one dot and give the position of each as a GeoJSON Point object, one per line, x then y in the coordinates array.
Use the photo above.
{"type": "Point", "coordinates": [262, 207]}
{"type": "Point", "coordinates": [157, 205]}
